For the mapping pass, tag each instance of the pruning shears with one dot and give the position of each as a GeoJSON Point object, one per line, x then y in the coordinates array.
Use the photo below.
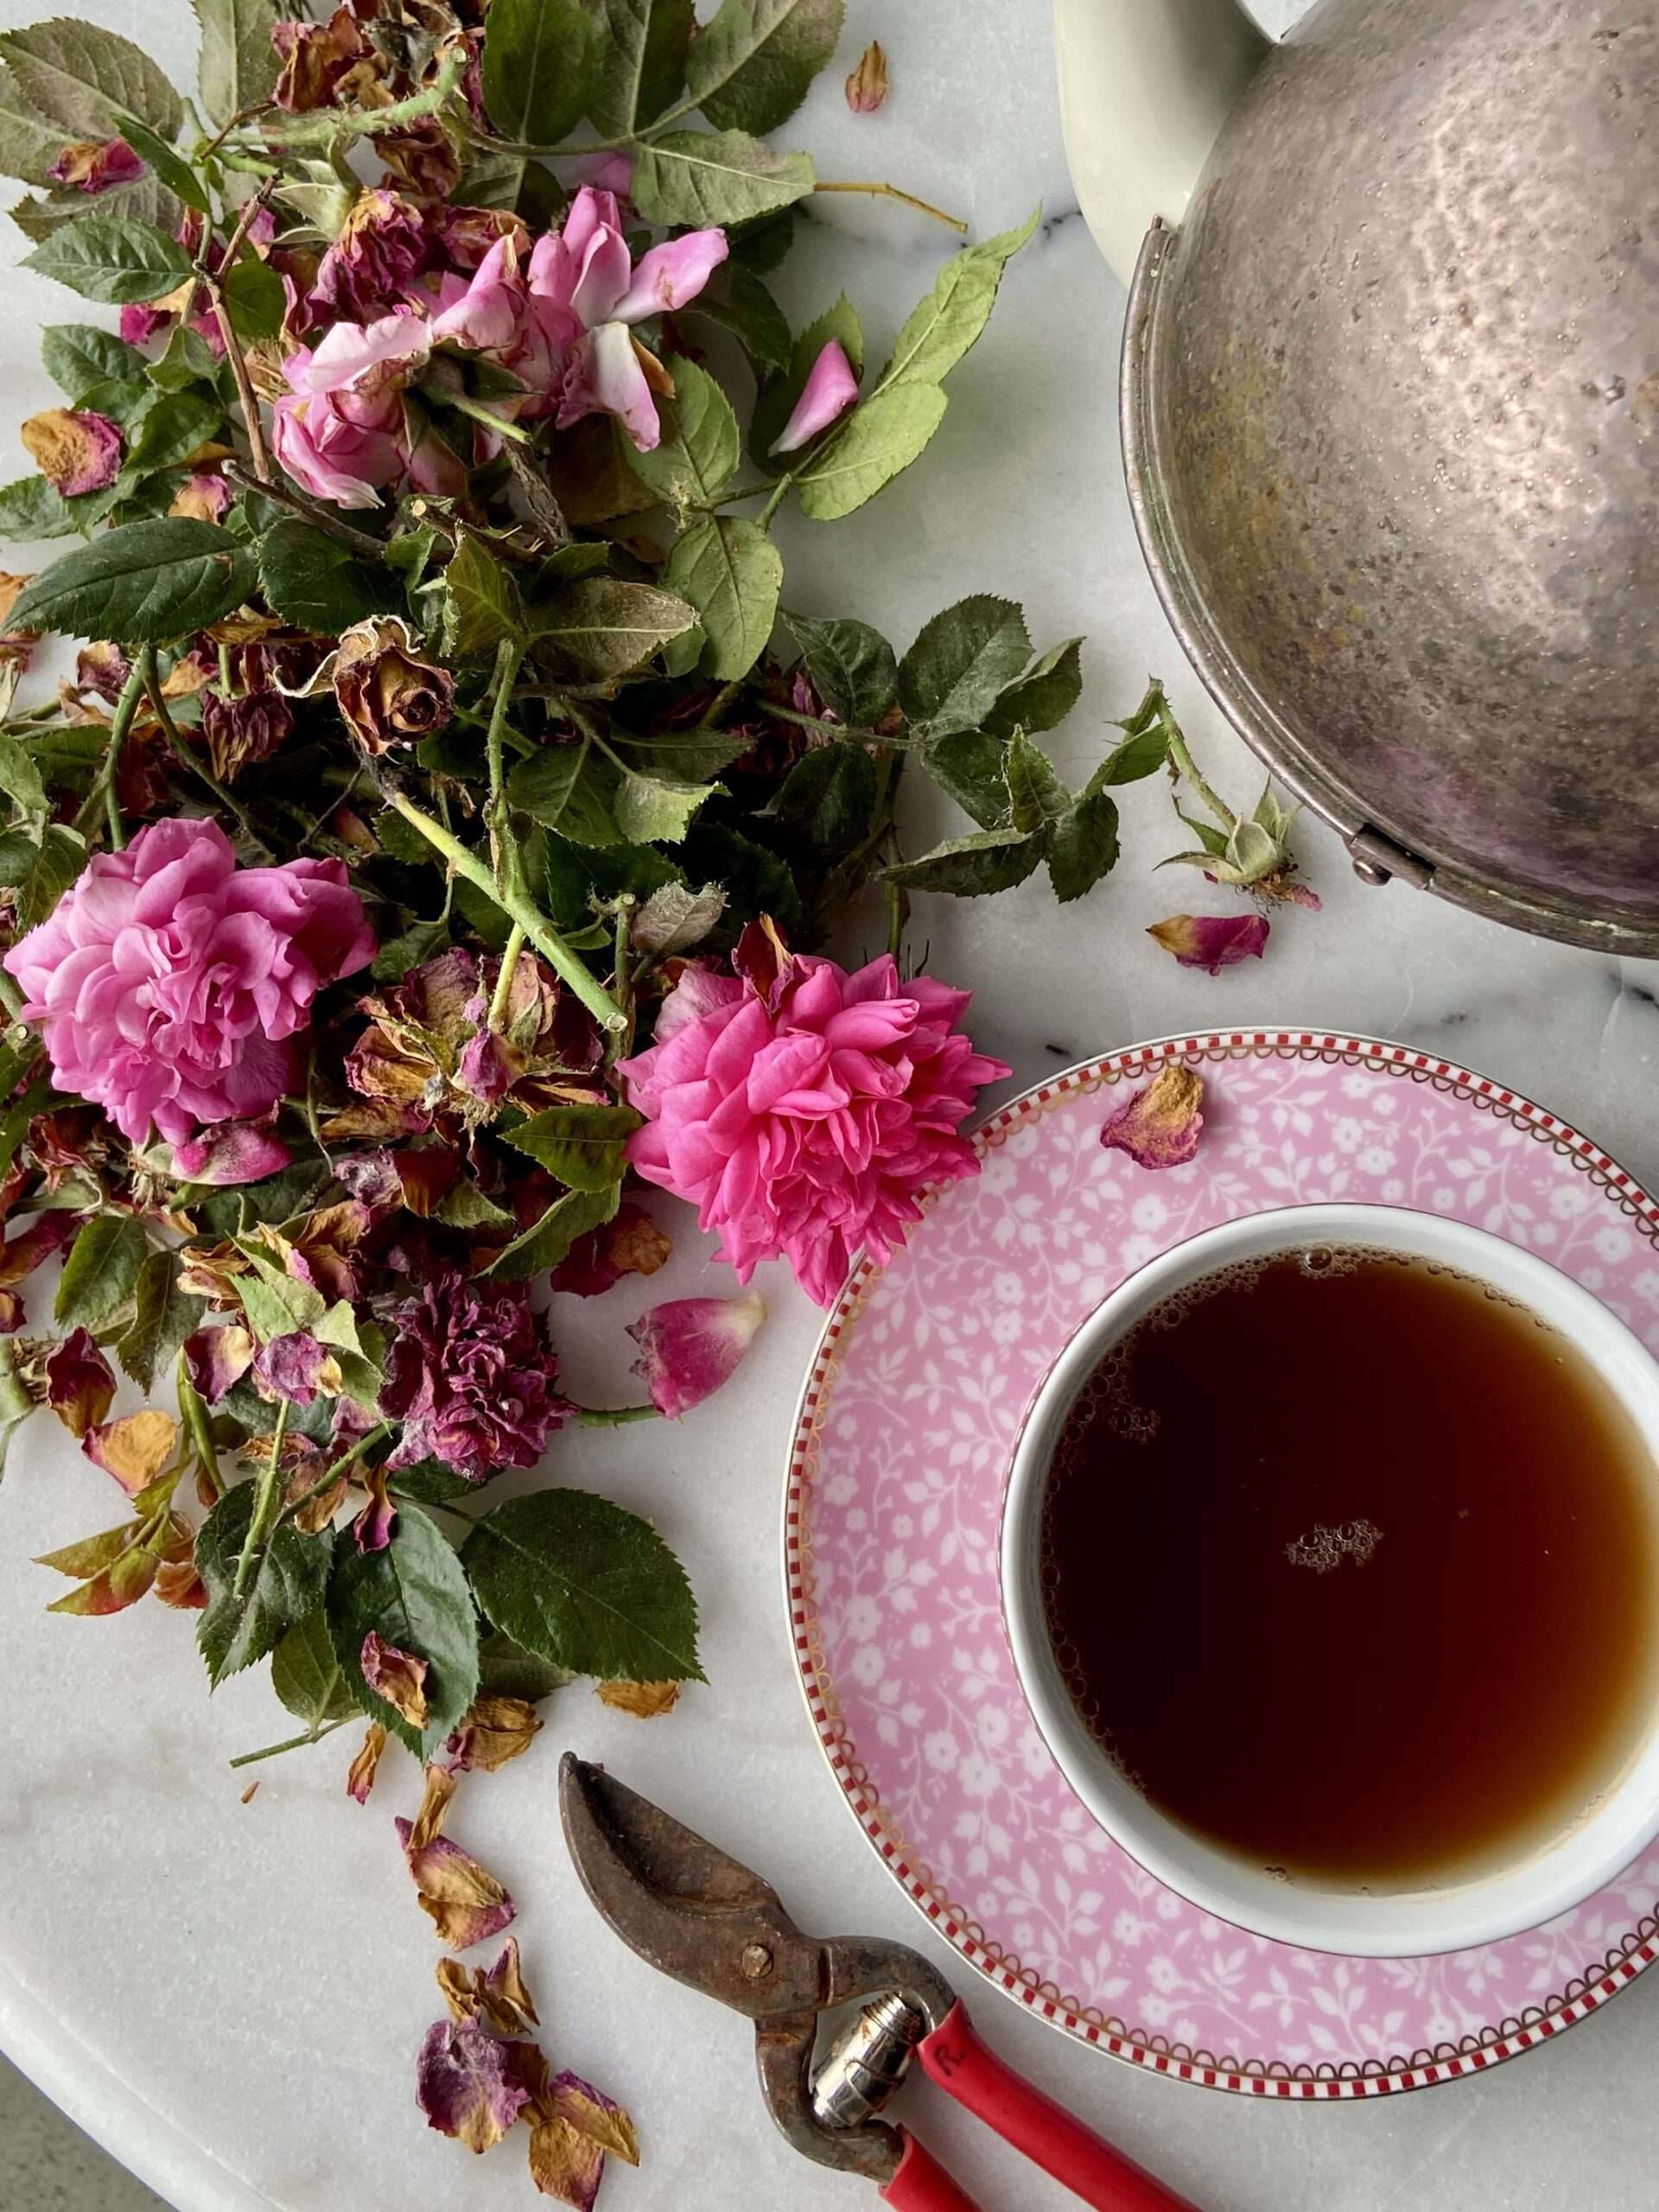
{"type": "Point", "coordinates": [693, 1912]}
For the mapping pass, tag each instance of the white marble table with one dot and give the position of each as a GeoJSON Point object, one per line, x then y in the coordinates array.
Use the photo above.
{"type": "Point", "coordinates": [230, 1997]}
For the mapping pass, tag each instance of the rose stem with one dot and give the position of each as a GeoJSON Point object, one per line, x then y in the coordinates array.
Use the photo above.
{"type": "Point", "coordinates": [342, 122]}
{"type": "Point", "coordinates": [197, 1425]}
{"type": "Point", "coordinates": [503, 991]}
{"type": "Point", "coordinates": [332, 1474]}
{"type": "Point", "coordinates": [294, 1743]}
{"type": "Point", "coordinates": [244, 393]}
{"type": "Point", "coordinates": [266, 1506]}
{"type": "Point", "coordinates": [187, 758]}
{"type": "Point", "coordinates": [622, 984]}
{"type": "Point", "coordinates": [517, 908]}
{"type": "Point", "coordinates": [1188, 766]}
{"type": "Point", "coordinates": [102, 792]}
{"type": "Point", "coordinates": [316, 514]}
{"type": "Point", "coordinates": [892, 192]}
{"type": "Point", "coordinates": [613, 1416]}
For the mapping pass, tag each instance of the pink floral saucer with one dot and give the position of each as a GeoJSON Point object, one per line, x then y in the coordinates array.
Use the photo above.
{"type": "Point", "coordinates": [903, 1445]}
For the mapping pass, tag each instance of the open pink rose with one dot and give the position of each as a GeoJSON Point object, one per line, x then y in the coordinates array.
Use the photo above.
{"type": "Point", "coordinates": [339, 427]}
{"type": "Point", "coordinates": [170, 984]}
{"type": "Point", "coordinates": [801, 1110]}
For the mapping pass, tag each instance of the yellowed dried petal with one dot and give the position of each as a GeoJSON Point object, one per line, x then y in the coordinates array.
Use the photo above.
{"type": "Point", "coordinates": [463, 1900]}
{"type": "Point", "coordinates": [134, 1449]}
{"type": "Point", "coordinates": [606, 2124]}
{"type": "Point", "coordinates": [507, 2002]}
{"type": "Point", "coordinates": [496, 1729]}
{"type": "Point", "coordinates": [644, 1700]}
{"type": "Point", "coordinates": [868, 85]}
{"type": "Point", "coordinates": [564, 2164]}
{"type": "Point", "coordinates": [1160, 1126]}
{"type": "Point", "coordinates": [435, 1805]}
{"type": "Point", "coordinates": [315, 1515]}
{"type": "Point", "coordinates": [462, 1987]}
{"type": "Point", "coordinates": [359, 1779]}
{"type": "Point", "coordinates": [11, 588]}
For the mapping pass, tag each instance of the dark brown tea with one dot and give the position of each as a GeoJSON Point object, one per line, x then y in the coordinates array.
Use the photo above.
{"type": "Point", "coordinates": [1351, 1564]}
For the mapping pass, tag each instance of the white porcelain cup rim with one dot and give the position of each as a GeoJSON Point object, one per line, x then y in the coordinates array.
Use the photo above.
{"type": "Point", "coordinates": [1487, 1907]}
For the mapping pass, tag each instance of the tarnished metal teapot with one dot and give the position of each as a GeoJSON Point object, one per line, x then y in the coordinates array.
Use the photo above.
{"type": "Point", "coordinates": [1390, 413]}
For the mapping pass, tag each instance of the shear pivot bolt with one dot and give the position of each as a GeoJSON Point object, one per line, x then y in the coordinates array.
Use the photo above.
{"type": "Point", "coordinates": [757, 1961]}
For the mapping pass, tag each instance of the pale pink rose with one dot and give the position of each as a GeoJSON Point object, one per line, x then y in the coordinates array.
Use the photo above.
{"type": "Point", "coordinates": [340, 425]}
{"type": "Point", "coordinates": [828, 392]}
{"type": "Point", "coordinates": [803, 1117]}
{"type": "Point", "coordinates": [171, 985]}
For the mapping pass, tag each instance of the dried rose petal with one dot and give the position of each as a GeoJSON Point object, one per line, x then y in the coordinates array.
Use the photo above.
{"type": "Point", "coordinates": [359, 1778]}
{"type": "Point", "coordinates": [232, 1153]}
{"type": "Point", "coordinates": [465, 1903]}
{"type": "Point", "coordinates": [134, 1449]}
{"type": "Point", "coordinates": [178, 1585]}
{"type": "Point", "coordinates": [75, 450]}
{"type": "Point", "coordinates": [96, 165]}
{"type": "Point", "coordinates": [217, 1359]}
{"type": "Point", "coordinates": [495, 1730]}
{"type": "Point", "coordinates": [45, 1235]}
{"type": "Point", "coordinates": [689, 1346]}
{"type": "Point", "coordinates": [598, 2117]}
{"type": "Point", "coordinates": [297, 1367]}
{"type": "Point", "coordinates": [397, 1676]}
{"type": "Point", "coordinates": [564, 2164]}
{"type": "Point", "coordinates": [867, 87]}
{"type": "Point", "coordinates": [499, 1994]}
{"type": "Point", "coordinates": [439, 1787]}
{"type": "Point", "coordinates": [643, 1700]}
{"type": "Point", "coordinates": [374, 1527]}
{"type": "Point", "coordinates": [1159, 1126]}
{"type": "Point", "coordinates": [202, 497]}
{"type": "Point", "coordinates": [631, 1244]}
{"type": "Point", "coordinates": [505, 1998]}
{"type": "Point", "coordinates": [103, 668]}
{"type": "Point", "coordinates": [79, 1383]}
{"type": "Point", "coordinates": [463, 2084]}
{"type": "Point", "coordinates": [1212, 940]}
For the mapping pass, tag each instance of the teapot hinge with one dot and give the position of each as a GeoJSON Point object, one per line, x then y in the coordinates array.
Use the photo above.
{"type": "Point", "coordinates": [1377, 859]}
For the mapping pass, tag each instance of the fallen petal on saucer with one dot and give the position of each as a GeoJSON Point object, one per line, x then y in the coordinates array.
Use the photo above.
{"type": "Point", "coordinates": [1159, 1126]}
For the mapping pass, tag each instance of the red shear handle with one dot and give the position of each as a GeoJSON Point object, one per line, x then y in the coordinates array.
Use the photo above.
{"type": "Point", "coordinates": [1049, 2136]}
{"type": "Point", "coordinates": [921, 2183]}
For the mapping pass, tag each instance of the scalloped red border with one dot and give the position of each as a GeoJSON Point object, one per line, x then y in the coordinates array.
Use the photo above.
{"type": "Point", "coordinates": [1250, 2077]}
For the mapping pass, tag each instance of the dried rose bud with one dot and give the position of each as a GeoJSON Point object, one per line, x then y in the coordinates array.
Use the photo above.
{"type": "Point", "coordinates": [75, 449]}
{"type": "Point", "coordinates": [202, 497]}
{"type": "Point", "coordinates": [688, 1347]}
{"type": "Point", "coordinates": [79, 1383]}
{"type": "Point", "coordinates": [246, 729]}
{"type": "Point", "coordinates": [867, 85]}
{"type": "Point", "coordinates": [397, 1676]}
{"type": "Point", "coordinates": [1212, 940]}
{"type": "Point", "coordinates": [1159, 1127]}
{"type": "Point", "coordinates": [95, 165]}
{"type": "Point", "coordinates": [359, 1779]}
{"type": "Point", "coordinates": [387, 694]}
{"type": "Point", "coordinates": [470, 233]}
{"type": "Point", "coordinates": [382, 246]}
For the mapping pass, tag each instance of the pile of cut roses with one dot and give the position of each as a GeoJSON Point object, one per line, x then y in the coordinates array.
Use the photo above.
{"type": "Point", "coordinates": [427, 841]}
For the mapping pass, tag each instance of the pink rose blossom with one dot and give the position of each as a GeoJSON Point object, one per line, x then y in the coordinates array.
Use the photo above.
{"type": "Point", "coordinates": [802, 1109]}
{"type": "Point", "coordinates": [171, 985]}
{"type": "Point", "coordinates": [689, 1346]}
{"type": "Point", "coordinates": [340, 426]}
{"type": "Point", "coordinates": [828, 392]}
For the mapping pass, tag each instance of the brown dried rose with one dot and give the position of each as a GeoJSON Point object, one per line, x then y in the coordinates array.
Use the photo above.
{"type": "Point", "coordinates": [388, 695]}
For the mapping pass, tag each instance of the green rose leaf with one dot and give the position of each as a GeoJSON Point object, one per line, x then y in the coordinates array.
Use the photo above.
{"type": "Point", "coordinates": [702, 177]}
{"type": "Point", "coordinates": [176, 174]}
{"type": "Point", "coordinates": [82, 77]}
{"type": "Point", "coordinates": [599, 627]}
{"type": "Point", "coordinates": [317, 583]}
{"type": "Point", "coordinates": [507, 1669]}
{"type": "Point", "coordinates": [940, 331]}
{"type": "Point", "coordinates": [545, 1243]}
{"type": "Point", "coordinates": [755, 881]}
{"type": "Point", "coordinates": [77, 355]}
{"type": "Point", "coordinates": [286, 1587]}
{"type": "Point", "coordinates": [968, 868]}
{"type": "Point", "coordinates": [701, 445]}
{"type": "Point", "coordinates": [851, 665]}
{"type": "Point", "coordinates": [171, 430]}
{"type": "Point", "coordinates": [101, 1271]}
{"type": "Point", "coordinates": [124, 399]}
{"type": "Point", "coordinates": [31, 507]}
{"type": "Point", "coordinates": [484, 601]}
{"type": "Point", "coordinates": [972, 766]}
{"type": "Point", "coordinates": [145, 583]}
{"type": "Point", "coordinates": [306, 1675]}
{"type": "Point", "coordinates": [254, 296]}
{"type": "Point", "coordinates": [1145, 747]}
{"type": "Point", "coordinates": [1043, 698]}
{"type": "Point", "coordinates": [583, 1583]}
{"type": "Point", "coordinates": [585, 1147]}
{"type": "Point", "coordinates": [1037, 798]}
{"type": "Point", "coordinates": [951, 677]}
{"type": "Point", "coordinates": [640, 64]}
{"type": "Point", "coordinates": [534, 68]}
{"type": "Point", "coordinates": [413, 1593]}
{"type": "Point", "coordinates": [20, 777]}
{"type": "Point", "coordinates": [828, 797]}
{"type": "Point", "coordinates": [112, 258]}
{"type": "Point", "coordinates": [277, 1303]}
{"type": "Point", "coordinates": [728, 569]}
{"type": "Point", "coordinates": [29, 145]}
{"type": "Point", "coordinates": [542, 785]}
{"type": "Point", "coordinates": [881, 437]}
{"type": "Point", "coordinates": [1083, 846]}
{"type": "Point", "coordinates": [676, 917]}
{"type": "Point", "coordinates": [751, 67]}
{"type": "Point", "coordinates": [164, 1316]}
{"type": "Point", "coordinates": [43, 879]}
{"type": "Point", "coordinates": [744, 306]}
{"type": "Point", "coordinates": [239, 65]}
{"type": "Point", "coordinates": [651, 811]}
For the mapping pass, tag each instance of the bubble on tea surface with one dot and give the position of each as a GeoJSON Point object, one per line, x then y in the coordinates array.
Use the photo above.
{"type": "Point", "coordinates": [1326, 1545]}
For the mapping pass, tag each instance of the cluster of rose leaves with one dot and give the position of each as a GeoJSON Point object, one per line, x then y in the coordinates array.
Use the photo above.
{"type": "Point", "coordinates": [430, 838]}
